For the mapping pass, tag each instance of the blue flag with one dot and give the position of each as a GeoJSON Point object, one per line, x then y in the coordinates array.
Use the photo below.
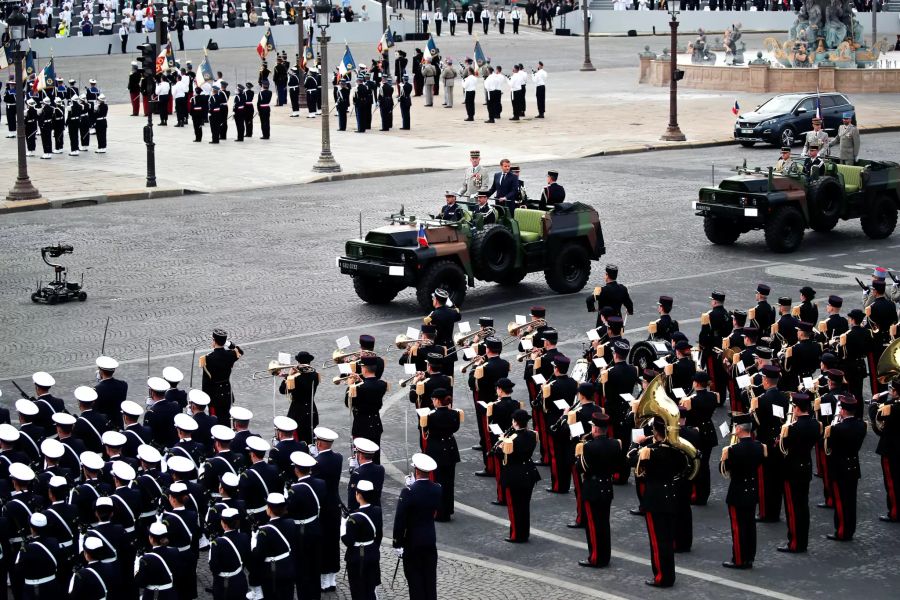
{"type": "Point", "coordinates": [266, 44]}
{"type": "Point", "coordinates": [47, 78]}
{"type": "Point", "coordinates": [479, 54]}
{"type": "Point", "coordinates": [432, 47]}
{"type": "Point", "coordinates": [7, 53]}
{"type": "Point", "coordinates": [29, 64]}
{"type": "Point", "coordinates": [347, 63]}
{"type": "Point", "coordinates": [309, 53]}
{"type": "Point", "coordinates": [206, 72]}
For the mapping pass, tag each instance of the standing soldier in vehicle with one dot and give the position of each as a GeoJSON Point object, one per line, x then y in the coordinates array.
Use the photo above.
{"type": "Point", "coordinates": [784, 162]}
{"type": "Point", "coordinates": [741, 462]}
{"type": "Point", "coordinates": [217, 367]}
{"type": "Point", "coordinates": [847, 139]}
{"type": "Point", "coordinates": [816, 136]}
{"type": "Point", "coordinates": [474, 177]}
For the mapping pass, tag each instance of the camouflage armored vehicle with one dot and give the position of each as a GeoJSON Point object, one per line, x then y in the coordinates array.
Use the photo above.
{"type": "Point", "coordinates": [430, 254]}
{"type": "Point", "coordinates": [784, 206]}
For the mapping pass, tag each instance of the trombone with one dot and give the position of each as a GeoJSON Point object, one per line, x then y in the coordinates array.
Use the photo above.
{"type": "Point", "coordinates": [517, 331]}
{"type": "Point", "coordinates": [403, 342]}
{"type": "Point", "coordinates": [348, 378]}
{"type": "Point", "coordinates": [467, 339]}
{"type": "Point", "coordinates": [522, 356]}
{"type": "Point", "coordinates": [339, 356]}
{"type": "Point", "coordinates": [408, 381]}
{"type": "Point", "coordinates": [275, 368]}
{"type": "Point", "coordinates": [478, 360]}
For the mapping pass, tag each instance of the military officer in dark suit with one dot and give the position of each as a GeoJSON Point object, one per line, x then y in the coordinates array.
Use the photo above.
{"type": "Point", "coordinates": [304, 500]}
{"type": "Point", "coordinates": [483, 383]}
{"type": "Point", "coordinates": [769, 411]}
{"type": "Point", "coordinates": [740, 463]}
{"type": "Point", "coordinates": [518, 475]}
{"type": "Point", "coordinates": [451, 211]}
{"type": "Point", "coordinates": [835, 324]}
{"type": "Point", "coordinates": [701, 405]}
{"type": "Point", "coordinates": [803, 357]}
{"type": "Point", "coordinates": [329, 466]}
{"type": "Point", "coordinates": [160, 417]}
{"type": "Point", "coordinates": [881, 315]}
{"type": "Point", "coordinates": [154, 571]}
{"type": "Point", "coordinates": [596, 459]}
{"type": "Point", "coordinates": [714, 325]}
{"type": "Point", "coordinates": [785, 332]}
{"type": "Point", "coordinates": [362, 467]}
{"type": "Point", "coordinates": [681, 372]}
{"type": "Point", "coordinates": [364, 399]}
{"type": "Point", "coordinates": [217, 367]}
{"type": "Point", "coordinates": [443, 317]}
{"type": "Point", "coordinates": [362, 537]}
{"type": "Point", "coordinates": [553, 194]}
{"type": "Point", "coordinates": [90, 424]}
{"type": "Point", "coordinates": [620, 378]}
{"type": "Point", "coordinates": [582, 413]}
{"type": "Point", "coordinates": [414, 537]}
{"type": "Point", "coordinates": [301, 386]}
{"type": "Point", "coordinates": [272, 555]}
{"type": "Point", "coordinates": [560, 388]}
{"type": "Point", "coordinates": [665, 325]}
{"type": "Point", "coordinates": [659, 463]}
{"type": "Point", "coordinates": [858, 348]}
{"type": "Point", "coordinates": [796, 442]}
{"type": "Point", "coordinates": [440, 427]}
{"type": "Point", "coordinates": [612, 294]}
{"type": "Point", "coordinates": [763, 314]}
{"type": "Point", "coordinates": [228, 555]}
{"type": "Point", "coordinates": [887, 415]}
{"type": "Point", "coordinates": [842, 443]}
{"type": "Point", "coordinates": [258, 480]}
{"type": "Point", "coordinates": [111, 392]}
{"type": "Point", "coordinates": [809, 312]}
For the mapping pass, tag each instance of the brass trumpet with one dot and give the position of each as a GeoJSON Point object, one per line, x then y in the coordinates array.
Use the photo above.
{"type": "Point", "coordinates": [522, 356]}
{"type": "Point", "coordinates": [339, 356]}
{"type": "Point", "coordinates": [275, 368]}
{"type": "Point", "coordinates": [516, 331]}
{"type": "Point", "coordinates": [467, 339]}
{"type": "Point", "coordinates": [479, 359]}
{"type": "Point", "coordinates": [345, 378]}
{"type": "Point", "coordinates": [403, 342]}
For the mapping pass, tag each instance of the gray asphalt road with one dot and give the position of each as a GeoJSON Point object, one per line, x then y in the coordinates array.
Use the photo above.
{"type": "Point", "coordinates": [261, 265]}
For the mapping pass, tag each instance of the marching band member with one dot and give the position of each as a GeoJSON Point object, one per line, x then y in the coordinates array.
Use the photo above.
{"type": "Point", "coordinates": [741, 462]}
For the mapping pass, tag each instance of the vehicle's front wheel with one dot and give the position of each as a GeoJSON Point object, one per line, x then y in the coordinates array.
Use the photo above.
{"type": "Point", "coordinates": [880, 220]}
{"type": "Point", "coordinates": [374, 290]}
{"type": "Point", "coordinates": [569, 270]}
{"type": "Point", "coordinates": [788, 137]}
{"type": "Point", "coordinates": [441, 274]}
{"type": "Point", "coordinates": [784, 231]}
{"type": "Point", "coordinates": [721, 231]}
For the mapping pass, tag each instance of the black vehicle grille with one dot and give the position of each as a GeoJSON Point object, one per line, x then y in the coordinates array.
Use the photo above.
{"type": "Point", "coordinates": [746, 124]}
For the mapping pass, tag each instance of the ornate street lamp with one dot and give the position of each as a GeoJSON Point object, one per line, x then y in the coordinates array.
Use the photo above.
{"type": "Point", "coordinates": [673, 131]}
{"type": "Point", "coordinates": [326, 162]}
{"type": "Point", "coordinates": [23, 189]}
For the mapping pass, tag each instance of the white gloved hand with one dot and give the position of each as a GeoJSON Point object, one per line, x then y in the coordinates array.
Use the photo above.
{"type": "Point", "coordinates": [409, 480]}
{"type": "Point", "coordinates": [353, 463]}
{"type": "Point", "coordinates": [313, 451]}
{"type": "Point", "coordinates": [398, 552]}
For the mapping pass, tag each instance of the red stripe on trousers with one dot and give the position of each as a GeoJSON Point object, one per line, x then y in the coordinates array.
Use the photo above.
{"type": "Point", "coordinates": [576, 481]}
{"type": "Point", "coordinates": [735, 536]}
{"type": "Point", "coordinates": [495, 461]}
{"type": "Point", "coordinates": [870, 358]}
{"type": "Point", "coordinates": [889, 485]}
{"type": "Point", "coordinates": [654, 548]}
{"type": "Point", "coordinates": [554, 467]}
{"type": "Point", "coordinates": [512, 516]}
{"type": "Point", "coordinates": [760, 475]}
{"type": "Point", "coordinates": [710, 368]}
{"type": "Point", "coordinates": [839, 509]}
{"type": "Point", "coordinates": [826, 476]}
{"type": "Point", "coordinates": [592, 533]}
{"type": "Point", "coordinates": [791, 518]}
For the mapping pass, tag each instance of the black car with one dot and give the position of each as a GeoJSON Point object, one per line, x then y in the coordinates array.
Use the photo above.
{"type": "Point", "coordinates": [783, 120]}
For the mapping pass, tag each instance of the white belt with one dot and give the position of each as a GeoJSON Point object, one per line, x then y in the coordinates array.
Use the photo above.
{"type": "Point", "coordinates": [183, 548]}
{"type": "Point", "coordinates": [66, 544]}
{"type": "Point", "coordinates": [130, 529]}
{"type": "Point", "coordinates": [40, 581]}
{"type": "Point", "coordinates": [108, 560]}
{"type": "Point", "coordinates": [158, 588]}
{"type": "Point", "coordinates": [255, 511]}
{"type": "Point", "coordinates": [369, 543]}
{"type": "Point", "coordinates": [149, 513]}
{"type": "Point", "coordinates": [100, 119]}
{"type": "Point", "coordinates": [15, 540]}
{"type": "Point", "coordinates": [305, 521]}
{"type": "Point", "coordinates": [271, 559]}
{"type": "Point", "coordinates": [232, 573]}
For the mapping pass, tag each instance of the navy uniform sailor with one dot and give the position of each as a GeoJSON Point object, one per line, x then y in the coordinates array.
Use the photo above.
{"type": "Point", "coordinates": [154, 570]}
{"type": "Point", "coordinates": [186, 447]}
{"type": "Point", "coordinates": [273, 572]}
{"type": "Point", "coordinates": [361, 534]}
{"type": "Point", "coordinates": [258, 480]}
{"type": "Point", "coordinates": [135, 433]}
{"type": "Point", "coordinates": [111, 392]}
{"type": "Point", "coordinates": [362, 467]}
{"type": "Point", "coordinates": [284, 446]}
{"type": "Point", "coordinates": [304, 502]}
{"type": "Point", "coordinates": [96, 579]}
{"type": "Point", "coordinates": [174, 377]}
{"type": "Point", "coordinates": [228, 554]}
{"type": "Point", "coordinates": [198, 400]}
{"type": "Point", "coordinates": [329, 465]}
{"type": "Point", "coordinates": [414, 536]}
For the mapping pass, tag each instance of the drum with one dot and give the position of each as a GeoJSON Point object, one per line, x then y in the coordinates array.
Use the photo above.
{"type": "Point", "coordinates": [644, 353]}
{"type": "Point", "coordinates": [580, 370]}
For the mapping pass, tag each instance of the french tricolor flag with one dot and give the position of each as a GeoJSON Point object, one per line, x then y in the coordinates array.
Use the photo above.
{"type": "Point", "coordinates": [736, 109]}
{"type": "Point", "coordinates": [421, 239]}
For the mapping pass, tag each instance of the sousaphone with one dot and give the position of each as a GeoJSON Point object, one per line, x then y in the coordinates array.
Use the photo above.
{"type": "Point", "coordinates": [655, 402]}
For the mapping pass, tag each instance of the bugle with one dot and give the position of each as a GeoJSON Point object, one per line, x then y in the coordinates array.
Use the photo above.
{"type": "Point", "coordinates": [516, 330]}
{"type": "Point", "coordinates": [473, 363]}
{"type": "Point", "coordinates": [345, 378]}
{"type": "Point", "coordinates": [403, 342]}
{"type": "Point", "coordinates": [467, 339]}
{"type": "Point", "coordinates": [406, 382]}
{"type": "Point", "coordinates": [275, 368]}
{"type": "Point", "coordinates": [339, 357]}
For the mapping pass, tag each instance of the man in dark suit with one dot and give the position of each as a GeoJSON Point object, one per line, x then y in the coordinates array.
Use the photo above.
{"type": "Point", "coordinates": [365, 469]}
{"type": "Point", "coordinates": [217, 367]}
{"type": "Point", "coordinates": [483, 382]}
{"type": "Point", "coordinates": [842, 443]}
{"type": "Point", "coordinates": [596, 461]}
{"type": "Point", "coordinates": [111, 392]}
{"type": "Point", "coordinates": [414, 535]}
{"type": "Point", "coordinates": [797, 441]}
{"type": "Point", "coordinates": [364, 400]}
{"type": "Point", "coordinates": [741, 462]}
{"type": "Point", "coordinates": [440, 444]}
{"type": "Point", "coordinates": [505, 187]}
{"type": "Point", "coordinates": [763, 313]}
{"type": "Point", "coordinates": [612, 294]}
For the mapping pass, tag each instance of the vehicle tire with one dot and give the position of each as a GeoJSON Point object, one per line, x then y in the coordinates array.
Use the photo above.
{"type": "Point", "coordinates": [784, 231]}
{"type": "Point", "coordinates": [374, 290]}
{"type": "Point", "coordinates": [493, 252]}
{"type": "Point", "coordinates": [747, 144]}
{"type": "Point", "coordinates": [512, 278]}
{"type": "Point", "coordinates": [825, 197]}
{"type": "Point", "coordinates": [82, 296]}
{"type": "Point", "coordinates": [788, 136]}
{"type": "Point", "coordinates": [444, 274]}
{"type": "Point", "coordinates": [52, 298]}
{"type": "Point", "coordinates": [721, 231]}
{"type": "Point", "coordinates": [880, 220]}
{"type": "Point", "coordinates": [36, 297]}
{"type": "Point", "coordinates": [569, 270]}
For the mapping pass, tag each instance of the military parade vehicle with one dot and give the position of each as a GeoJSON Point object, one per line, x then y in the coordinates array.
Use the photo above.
{"type": "Point", "coordinates": [785, 205]}
{"type": "Point", "coordinates": [431, 253]}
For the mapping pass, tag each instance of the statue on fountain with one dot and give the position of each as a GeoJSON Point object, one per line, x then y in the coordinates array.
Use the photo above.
{"type": "Point", "coordinates": [700, 53]}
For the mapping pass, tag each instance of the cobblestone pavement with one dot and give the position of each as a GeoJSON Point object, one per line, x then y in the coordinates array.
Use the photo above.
{"type": "Point", "coordinates": [261, 264]}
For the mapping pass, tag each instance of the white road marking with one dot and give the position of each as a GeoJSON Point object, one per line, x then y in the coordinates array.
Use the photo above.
{"type": "Point", "coordinates": [806, 259]}
{"type": "Point", "coordinates": [812, 274]}
{"type": "Point", "coordinates": [328, 332]}
{"type": "Point", "coordinates": [869, 250]}
{"type": "Point", "coordinates": [838, 254]}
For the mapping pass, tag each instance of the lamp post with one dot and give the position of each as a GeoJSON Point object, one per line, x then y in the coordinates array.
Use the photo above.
{"type": "Point", "coordinates": [385, 56]}
{"type": "Point", "coordinates": [326, 162]}
{"type": "Point", "coordinates": [673, 132]}
{"type": "Point", "coordinates": [23, 189]}
{"type": "Point", "coordinates": [587, 66]}
{"type": "Point", "coordinates": [301, 46]}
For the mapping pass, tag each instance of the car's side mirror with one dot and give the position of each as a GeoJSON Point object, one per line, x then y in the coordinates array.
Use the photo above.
{"type": "Point", "coordinates": [801, 110]}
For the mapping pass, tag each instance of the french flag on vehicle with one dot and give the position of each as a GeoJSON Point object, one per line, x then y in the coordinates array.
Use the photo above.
{"type": "Point", "coordinates": [421, 239]}
{"type": "Point", "coordinates": [736, 108]}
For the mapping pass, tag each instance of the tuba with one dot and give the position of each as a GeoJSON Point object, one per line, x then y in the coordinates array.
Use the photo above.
{"type": "Point", "coordinates": [655, 402]}
{"type": "Point", "coordinates": [889, 364]}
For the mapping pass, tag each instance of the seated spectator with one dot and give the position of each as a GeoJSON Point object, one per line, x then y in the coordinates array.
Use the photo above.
{"type": "Point", "coordinates": [87, 28]}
